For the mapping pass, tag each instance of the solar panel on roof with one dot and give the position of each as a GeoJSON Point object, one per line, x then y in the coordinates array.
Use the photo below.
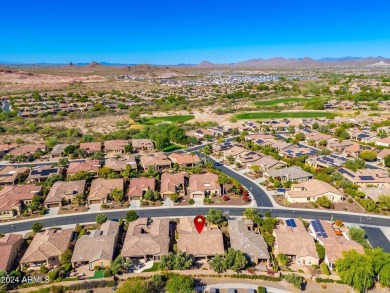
{"type": "Point", "coordinates": [293, 224]}
{"type": "Point", "coordinates": [366, 177]}
{"type": "Point", "coordinates": [343, 171]}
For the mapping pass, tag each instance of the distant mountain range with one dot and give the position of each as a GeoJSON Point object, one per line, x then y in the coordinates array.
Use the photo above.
{"type": "Point", "coordinates": [259, 62]}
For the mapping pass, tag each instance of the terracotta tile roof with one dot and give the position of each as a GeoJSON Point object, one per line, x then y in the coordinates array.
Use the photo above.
{"type": "Point", "coordinates": [7, 243]}
{"type": "Point", "coordinates": [294, 241]}
{"type": "Point", "coordinates": [7, 147]}
{"type": "Point", "coordinates": [155, 160]}
{"type": "Point", "coordinates": [12, 196]}
{"type": "Point", "coordinates": [142, 143]}
{"type": "Point", "coordinates": [120, 164]}
{"type": "Point", "coordinates": [91, 146]}
{"type": "Point", "coordinates": [139, 185]}
{"type": "Point", "coordinates": [47, 244]}
{"type": "Point", "coordinates": [114, 145]}
{"type": "Point", "coordinates": [204, 182]}
{"type": "Point", "coordinates": [88, 166]}
{"type": "Point", "coordinates": [9, 174]}
{"type": "Point", "coordinates": [312, 188]}
{"type": "Point", "coordinates": [169, 182]}
{"type": "Point", "coordinates": [291, 173]}
{"type": "Point", "coordinates": [383, 153]}
{"type": "Point", "coordinates": [62, 189]}
{"type": "Point", "coordinates": [28, 149]}
{"type": "Point", "coordinates": [184, 159]}
{"type": "Point", "coordinates": [101, 188]}
{"type": "Point", "coordinates": [146, 237]}
{"type": "Point", "coordinates": [99, 244]}
{"type": "Point", "coordinates": [207, 243]}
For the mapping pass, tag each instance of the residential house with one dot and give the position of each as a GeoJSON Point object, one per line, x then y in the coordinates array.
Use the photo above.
{"type": "Point", "coordinates": [335, 241]}
{"type": "Point", "coordinates": [383, 142]}
{"type": "Point", "coordinates": [42, 173]}
{"type": "Point", "coordinates": [252, 244]}
{"type": "Point", "coordinates": [5, 148]}
{"type": "Point", "coordinates": [98, 247]}
{"type": "Point", "coordinates": [199, 133]}
{"type": "Point", "coordinates": [367, 177]}
{"type": "Point", "coordinates": [9, 175]}
{"type": "Point", "coordinates": [172, 183]}
{"type": "Point", "coordinates": [64, 193]}
{"type": "Point", "coordinates": [207, 244]}
{"type": "Point", "coordinates": [13, 199]}
{"type": "Point", "coordinates": [115, 147]}
{"type": "Point", "coordinates": [362, 135]}
{"type": "Point", "coordinates": [234, 152]}
{"type": "Point", "coordinates": [382, 155]}
{"type": "Point", "coordinates": [185, 160]}
{"type": "Point", "coordinates": [46, 248]}
{"type": "Point", "coordinates": [293, 173]}
{"type": "Point", "coordinates": [158, 161]}
{"type": "Point", "coordinates": [58, 150]}
{"type": "Point", "coordinates": [91, 148]}
{"type": "Point", "coordinates": [337, 145]}
{"type": "Point", "coordinates": [204, 184]}
{"type": "Point", "coordinates": [268, 163]}
{"type": "Point", "coordinates": [28, 150]}
{"type": "Point", "coordinates": [142, 144]}
{"type": "Point", "coordinates": [138, 186]}
{"type": "Point", "coordinates": [297, 151]}
{"type": "Point", "coordinates": [292, 240]}
{"type": "Point", "coordinates": [101, 189]}
{"type": "Point", "coordinates": [90, 166]}
{"type": "Point", "coordinates": [147, 239]}
{"type": "Point", "coordinates": [119, 164]}
{"type": "Point", "coordinates": [326, 161]}
{"type": "Point", "coordinates": [375, 192]}
{"type": "Point", "coordinates": [220, 147]}
{"type": "Point", "coordinates": [10, 248]}
{"type": "Point", "coordinates": [312, 190]}
{"type": "Point", "coordinates": [248, 158]}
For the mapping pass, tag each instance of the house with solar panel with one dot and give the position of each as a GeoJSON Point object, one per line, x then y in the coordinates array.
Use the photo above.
{"type": "Point", "coordinates": [367, 177]}
{"type": "Point", "coordinates": [293, 240]}
{"type": "Point", "coordinates": [295, 151]}
{"type": "Point", "coordinates": [312, 190]}
{"type": "Point", "coordinates": [42, 173]}
{"type": "Point", "coordinates": [326, 161]}
{"type": "Point", "coordinates": [334, 239]}
{"type": "Point", "coordinates": [293, 173]}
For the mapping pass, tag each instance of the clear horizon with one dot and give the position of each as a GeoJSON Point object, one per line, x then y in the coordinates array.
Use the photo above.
{"type": "Point", "coordinates": [173, 33]}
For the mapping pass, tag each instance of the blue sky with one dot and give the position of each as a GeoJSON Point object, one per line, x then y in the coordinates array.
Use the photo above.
{"type": "Point", "coordinates": [186, 31]}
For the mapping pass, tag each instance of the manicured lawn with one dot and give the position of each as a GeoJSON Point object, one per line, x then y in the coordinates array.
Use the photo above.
{"type": "Point", "coordinates": [154, 268]}
{"type": "Point", "coordinates": [276, 115]}
{"type": "Point", "coordinates": [179, 118]}
{"type": "Point", "coordinates": [280, 101]}
{"type": "Point", "coordinates": [173, 147]}
{"type": "Point", "coordinates": [97, 275]}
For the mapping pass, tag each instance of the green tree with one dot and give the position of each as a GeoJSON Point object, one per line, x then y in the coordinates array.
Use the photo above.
{"type": "Point", "coordinates": [63, 162]}
{"type": "Point", "coordinates": [250, 214]}
{"type": "Point", "coordinates": [174, 197]}
{"type": "Point", "coordinates": [131, 216]}
{"type": "Point", "coordinates": [367, 155]}
{"type": "Point", "coordinates": [151, 195]}
{"type": "Point", "coordinates": [37, 227]}
{"type": "Point", "coordinates": [66, 256]}
{"type": "Point", "coordinates": [117, 195]}
{"type": "Point", "coordinates": [283, 259]}
{"type": "Point", "coordinates": [133, 285]}
{"type": "Point", "coordinates": [320, 250]}
{"type": "Point", "coordinates": [108, 173]}
{"type": "Point", "coordinates": [356, 270]}
{"type": "Point", "coordinates": [387, 161]}
{"type": "Point", "coordinates": [324, 202]}
{"type": "Point", "coordinates": [359, 235]}
{"type": "Point", "coordinates": [101, 218]}
{"type": "Point", "coordinates": [218, 264]}
{"type": "Point", "coordinates": [235, 259]}
{"type": "Point", "coordinates": [294, 279]}
{"type": "Point", "coordinates": [179, 261]}
{"type": "Point", "coordinates": [215, 216]}
{"type": "Point", "coordinates": [53, 275]}
{"type": "Point", "coordinates": [180, 284]}
{"type": "Point", "coordinates": [53, 179]}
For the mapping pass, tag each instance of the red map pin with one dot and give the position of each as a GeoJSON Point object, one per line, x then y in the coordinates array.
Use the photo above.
{"type": "Point", "coordinates": [199, 222]}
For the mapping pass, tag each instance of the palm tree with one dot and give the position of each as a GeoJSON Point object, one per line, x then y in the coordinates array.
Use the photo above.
{"type": "Point", "coordinates": [250, 213]}
{"type": "Point", "coordinates": [222, 180]}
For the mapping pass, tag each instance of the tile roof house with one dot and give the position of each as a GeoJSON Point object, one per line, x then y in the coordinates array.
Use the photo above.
{"type": "Point", "coordinates": [326, 161]}
{"type": "Point", "coordinates": [28, 150]}
{"type": "Point", "coordinates": [9, 175]}
{"type": "Point", "coordinates": [47, 247]}
{"type": "Point", "coordinates": [293, 173]}
{"type": "Point", "coordinates": [138, 186]}
{"type": "Point", "coordinates": [235, 152]}
{"type": "Point", "coordinates": [333, 241]}
{"type": "Point", "coordinates": [58, 150]}
{"type": "Point", "coordinates": [119, 164]}
{"type": "Point", "coordinates": [184, 159]}
{"type": "Point", "coordinates": [383, 142]}
{"type": "Point", "coordinates": [248, 241]}
{"type": "Point", "coordinates": [375, 192]}
{"type": "Point", "coordinates": [5, 148]}
{"type": "Point", "coordinates": [292, 239]}
{"type": "Point", "coordinates": [13, 199]}
{"type": "Point", "coordinates": [115, 147]}
{"type": "Point", "coordinates": [382, 155]}
{"type": "Point", "coordinates": [158, 161]}
{"type": "Point", "coordinates": [91, 147]}
{"type": "Point", "coordinates": [42, 173]}
{"type": "Point", "coordinates": [312, 190]}
{"type": "Point", "coordinates": [98, 247]}
{"type": "Point", "coordinates": [268, 163]}
{"type": "Point", "coordinates": [297, 151]}
{"type": "Point", "coordinates": [62, 191]}
{"type": "Point", "coordinates": [142, 144]}
{"type": "Point", "coordinates": [200, 245]}
{"type": "Point", "coordinates": [147, 239]}
{"type": "Point", "coordinates": [90, 166]}
{"type": "Point", "coordinates": [172, 183]}
{"type": "Point", "coordinates": [10, 247]}
{"type": "Point", "coordinates": [248, 158]}
{"type": "Point", "coordinates": [101, 189]}
{"type": "Point", "coordinates": [202, 184]}
{"type": "Point", "coordinates": [367, 177]}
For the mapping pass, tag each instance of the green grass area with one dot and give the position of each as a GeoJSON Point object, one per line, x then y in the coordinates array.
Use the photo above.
{"type": "Point", "coordinates": [280, 101]}
{"type": "Point", "coordinates": [173, 147]}
{"type": "Point", "coordinates": [97, 275]}
{"type": "Point", "coordinates": [278, 115]}
{"type": "Point", "coordinates": [178, 118]}
{"type": "Point", "coordinates": [154, 268]}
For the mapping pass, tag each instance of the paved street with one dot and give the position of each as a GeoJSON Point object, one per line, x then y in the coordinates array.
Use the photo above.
{"type": "Point", "coordinates": [377, 238]}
